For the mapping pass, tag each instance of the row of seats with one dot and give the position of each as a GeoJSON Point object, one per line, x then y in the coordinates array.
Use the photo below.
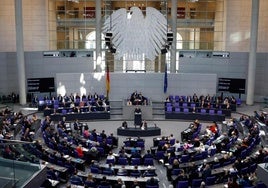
{"type": "Point", "coordinates": [192, 110]}
{"type": "Point", "coordinates": [132, 161]}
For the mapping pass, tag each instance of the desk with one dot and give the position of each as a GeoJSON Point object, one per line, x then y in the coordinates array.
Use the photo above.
{"type": "Point", "coordinates": [114, 178]}
{"type": "Point", "coordinates": [147, 112]}
{"type": "Point", "coordinates": [157, 139]}
{"type": "Point", "coordinates": [194, 116]}
{"type": "Point", "coordinates": [197, 163]}
{"type": "Point", "coordinates": [79, 163]}
{"type": "Point", "coordinates": [129, 149]}
{"type": "Point", "coordinates": [63, 171]}
{"type": "Point", "coordinates": [150, 131]}
{"type": "Point", "coordinates": [128, 167]}
{"type": "Point", "coordinates": [80, 116]}
{"type": "Point", "coordinates": [137, 119]}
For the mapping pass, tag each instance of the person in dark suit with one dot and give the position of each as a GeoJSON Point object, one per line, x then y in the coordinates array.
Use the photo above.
{"type": "Point", "coordinates": [124, 125]}
{"type": "Point", "coordinates": [104, 182]}
{"type": "Point", "coordinates": [137, 110]}
{"type": "Point", "coordinates": [152, 181]}
{"type": "Point", "coordinates": [206, 172]}
{"type": "Point", "coordinates": [138, 118]}
{"type": "Point", "coordinates": [148, 155]}
{"type": "Point", "coordinates": [119, 183]}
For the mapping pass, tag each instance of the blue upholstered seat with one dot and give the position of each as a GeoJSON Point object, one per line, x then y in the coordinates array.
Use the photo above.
{"type": "Point", "coordinates": [182, 184]}
{"type": "Point", "coordinates": [148, 161]}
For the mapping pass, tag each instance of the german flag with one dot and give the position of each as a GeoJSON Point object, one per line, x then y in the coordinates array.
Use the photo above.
{"type": "Point", "coordinates": [107, 81]}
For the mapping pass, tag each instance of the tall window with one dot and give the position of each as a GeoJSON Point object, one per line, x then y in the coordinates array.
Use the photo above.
{"type": "Point", "coordinates": [91, 44]}
{"type": "Point", "coordinates": [200, 26]}
{"type": "Point", "coordinates": [133, 65]}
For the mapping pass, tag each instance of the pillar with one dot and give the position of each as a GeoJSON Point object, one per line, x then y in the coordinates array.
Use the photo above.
{"type": "Point", "coordinates": [98, 35]}
{"type": "Point", "coordinates": [252, 52]}
{"type": "Point", "coordinates": [174, 30]}
{"type": "Point", "coordinates": [20, 52]}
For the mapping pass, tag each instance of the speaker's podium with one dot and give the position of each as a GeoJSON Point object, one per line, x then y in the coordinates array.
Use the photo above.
{"type": "Point", "coordinates": [137, 119]}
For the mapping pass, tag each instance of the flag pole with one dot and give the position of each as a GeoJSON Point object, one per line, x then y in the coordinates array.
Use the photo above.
{"type": "Point", "coordinates": [107, 80]}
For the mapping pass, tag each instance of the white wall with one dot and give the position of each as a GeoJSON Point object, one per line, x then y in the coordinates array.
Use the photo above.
{"type": "Point", "coordinates": [149, 84]}
{"type": "Point", "coordinates": [39, 66]}
{"type": "Point", "coordinates": [35, 25]}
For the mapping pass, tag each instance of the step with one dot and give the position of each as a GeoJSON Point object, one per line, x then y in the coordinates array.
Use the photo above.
{"type": "Point", "coordinates": [115, 104]}
{"type": "Point", "coordinates": [158, 105]}
{"type": "Point", "coordinates": [158, 111]}
{"type": "Point", "coordinates": [116, 117]}
{"type": "Point", "coordinates": [159, 116]}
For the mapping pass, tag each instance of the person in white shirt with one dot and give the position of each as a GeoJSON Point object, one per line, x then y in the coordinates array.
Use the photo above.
{"type": "Point", "coordinates": [110, 156]}
{"type": "Point", "coordinates": [177, 145]}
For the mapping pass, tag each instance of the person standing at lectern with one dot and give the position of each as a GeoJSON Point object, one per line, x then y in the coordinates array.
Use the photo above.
{"type": "Point", "coordinates": [137, 110]}
{"type": "Point", "coordinates": [137, 116]}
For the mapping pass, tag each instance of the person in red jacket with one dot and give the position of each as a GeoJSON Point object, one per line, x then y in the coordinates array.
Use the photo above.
{"type": "Point", "coordinates": [79, 150]}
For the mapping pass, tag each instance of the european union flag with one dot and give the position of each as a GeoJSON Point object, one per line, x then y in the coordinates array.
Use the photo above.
{"type": "Point", "coordinates": [165, 80]}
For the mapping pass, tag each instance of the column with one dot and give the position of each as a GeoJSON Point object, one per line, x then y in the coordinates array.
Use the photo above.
{"type": "Point", "coordinates": [252, 52]}
{"type": "Point", "coordinates": [159, 63]}
{"type": "Point", "coordinates": [98, 35]}
{"type": "Point", "coordinates": [174, 30]}
{"type": "Point", "coordinates": [20, 51]}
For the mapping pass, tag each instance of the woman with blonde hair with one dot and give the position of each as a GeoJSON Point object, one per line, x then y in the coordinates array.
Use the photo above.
{"type": "Point", "coordinates": [90, 181]}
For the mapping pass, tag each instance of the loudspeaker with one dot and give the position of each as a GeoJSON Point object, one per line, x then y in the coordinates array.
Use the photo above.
{"type": "Point", "coordinates": [107, 38]}
{"type": "Point", "coordinates": [163, 51]}
{"type": "Point", "coordinates": [169, 38]}
{"type": "Point", "coordinates": [109, 34]}
{"type": "Point", "coordinates": [112, 50]}
{"type": "Point", "coordinates": [108, 43]}
{"type": "Point", "coordinates": [169, 34]}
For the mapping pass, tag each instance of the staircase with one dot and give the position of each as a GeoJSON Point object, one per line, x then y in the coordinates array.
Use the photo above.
{"type": "Point", "coordinates": [116, 110]}
{"type": "Point", "coordinates": [158, 110]}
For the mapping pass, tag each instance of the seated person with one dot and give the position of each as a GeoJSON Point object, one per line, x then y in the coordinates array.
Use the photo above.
{"type": "Point", "coordinates": [119, 184]}
{"type": "Point", "coordinates": [194, 126]}
{"type": "Point", "coordinates": [124, 125]}
{"type": "Point", "coordinates": [109, 170]}
{"type": "Point", "coordinates": [152, 181]}
{"type": "Point", "coordinates": [129, 103]}
{"type": "Point", "coordinates": [149, 173]}
{"type": "Point", "coordinates": [136, 184]}
{"type": "Point", "coordinates": [80, 152]}
{"type": "Point", "coordinates": [135, 172]}
{"type": "Point", "coordinates": [214, 129]}
{"type": "Point", "coordinates": [86, 133]}
{"type": "Point", "coordinates": [122, 171]}
{"type": "Point", "coordinates": [52, 174]}
{"type": "Point", "coordinates": [104, 182]}
{"type": "Point", "coordinates": [148, 154]}
{"type": "Point", "coordinates": [144, 125]}
{"type": "Point", "coordinates": [110, 156]}
{"type": "Point", "coordinates": [177, 145]}
{"type": "Point", "coordinates": [77, 179]}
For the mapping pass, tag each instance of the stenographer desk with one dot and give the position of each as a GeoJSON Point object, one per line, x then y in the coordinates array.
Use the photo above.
{"type": "Point", "coordinates": [134, 131]}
